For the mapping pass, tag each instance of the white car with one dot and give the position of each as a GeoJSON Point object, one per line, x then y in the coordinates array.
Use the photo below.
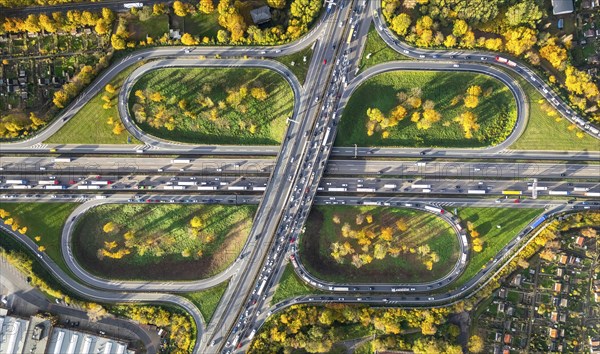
{"type": "Point", "coordinates": [456, 66]}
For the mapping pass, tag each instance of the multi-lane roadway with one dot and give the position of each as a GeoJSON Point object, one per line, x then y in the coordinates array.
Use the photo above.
{"type": "Point", "coordinates": [295, 175]}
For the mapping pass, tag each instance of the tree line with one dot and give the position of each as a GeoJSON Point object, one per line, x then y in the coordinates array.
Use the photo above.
{"type": "Point", "coordinates": [57, 21]}
{"type": "Point", "coordinates": [315, 329]}
{"type": "Point", "coordinates": [498, 26]}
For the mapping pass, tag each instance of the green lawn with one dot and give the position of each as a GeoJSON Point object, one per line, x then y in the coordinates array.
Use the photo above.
{"type": "Point", "coordinates": [163, 246]}
{"type": "Point", "coordinates": [407, 266]}
{"type": "Point", "coordinates": [291, 285]}
{"type": "Point", "coordinates": [511, 220]}
{"type": "Point", "coordinates": [89, 125]}
{"type": "Point", "coordinates": [202, 25]}
{"type": "Point", "coordinates": [379, 50]}
{"type": "Point", "coordinates": [216, 111]}
{"type": "Point", "coordinates": [300, 67]}
{"type": "Point", "coordinates": [496, 112]}
{"type": "Point", "coordinates": [154, 27]}
{"type": "Point", "coordinates": [208, 300]}
{"type": "Point", "coordinates": [544, 132]}
{"type": "Point", "coordinates": [45, 220]}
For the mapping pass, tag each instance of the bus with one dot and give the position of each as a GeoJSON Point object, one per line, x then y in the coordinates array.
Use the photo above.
{"type": "Point", "coordinates": [350, 35]}
{"type": "Point", "coordinates": [512, 192]}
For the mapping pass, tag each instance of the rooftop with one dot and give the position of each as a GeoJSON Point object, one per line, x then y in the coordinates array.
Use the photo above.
{"type": "Point", "coordinates": [261, 14]}
{"type": "Point", "coordinates": [562, 7]}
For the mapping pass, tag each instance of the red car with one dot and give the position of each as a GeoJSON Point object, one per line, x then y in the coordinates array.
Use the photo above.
{"type": "Point", "coordinates": [324, 61]}
{"type": "Point", "coordinates": [517, 200]}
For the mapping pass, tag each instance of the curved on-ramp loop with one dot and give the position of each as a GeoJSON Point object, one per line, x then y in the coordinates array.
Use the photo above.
{"type": "Point", "coordinates": [452, 274]}
{"type": "Point", "coordinates": [513, 86]}
{"type": "Point", "coordinates": [130, 81]}
{"type": "Point", "coordinates": [129, 285]}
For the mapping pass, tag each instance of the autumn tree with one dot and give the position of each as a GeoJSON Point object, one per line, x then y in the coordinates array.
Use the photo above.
{"type": "Point", "coordinates": [259, 93]}
{"type": "Point", "coordinates": [109, 227]}
{"type": "Point", "coordinates": [460, 28]}
{"type": "Point", "coordinates": [468, 121]}
{"type": "Point", "coordinates": [118, 128]}
{"type": "Point", "coordinates": [110, 88]}
{"type": "Point", "coordinates": [180, 9]}
{"type": "Point", "coordinates": [556, 55]}
{"type": "Point", "coordinates": [519, 40]}
{"type": "Point", "coordinates": [400, 24]}
{"type": "Point", "coordinates": [276, 4]}
{"type": "Point", "coordinates": [188, 39]}
{"type": "Point", "coordinates": [60, 99]}
{"type": "Point", "coordinates": [475, 344]}
{"type": "Point", "coordinates": [477, 245]}
{"type": "Point", "coordinates": [196, 222]}
{"type": "Point", "coordinates": [471, 101]}
{"type": "Point", "coordinates": [430, 117]}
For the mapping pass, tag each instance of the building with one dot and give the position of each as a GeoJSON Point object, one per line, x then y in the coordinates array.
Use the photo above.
{"type": "Point", "coordinates": [562, 7]}
{"type": "Point", "coordinates": [563, 259]}
{"type": "Point", "coordinates": [13, 332]}
{"type": "Point", "coordinates": [261, 15]}
{"type": "Point", "coordinates": [67, 341]}
{"type": "Point", "coordinates": [557, 287]}
{"type": "Point", "coordinates": [37, 336]}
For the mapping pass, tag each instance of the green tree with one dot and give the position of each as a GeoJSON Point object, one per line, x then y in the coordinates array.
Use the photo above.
{"type": "Point", "coordinates": [524, 12]}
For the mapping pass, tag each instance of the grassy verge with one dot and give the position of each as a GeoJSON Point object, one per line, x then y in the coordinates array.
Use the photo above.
{"type": "Point", "coordinates": [496, 112]}
{"type": "Point", "coordinates": [208, 300]}
{"type": "Point", "coordinates": [45, 220]}
{"type": "Point", "coordinates": [155, 27]}
{"type": "Point", "coordinates": [202, 25]}
{"type": "Point", "coordinates": [485, 220]}
{"type": "Point", "coordinates": [546, 132]}
{"type": "Point", "coordinates": [158, 242]}
{"type": "Point", "coordinates": [290, 286]}
{"type": "Point", "coordinates": [379, 51]}
{"type": "Point", "coordinates": [89, 125]}
{"type": "Point", "coordinates": [407, 265]}
{"type": "Point", "coordinates": [220, 105]}
{"type": "Point", "coordinates": [300, 67]}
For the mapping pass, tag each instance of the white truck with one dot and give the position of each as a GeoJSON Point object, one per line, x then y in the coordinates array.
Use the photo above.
{"type": "Point", "coordinates": [181, 161]}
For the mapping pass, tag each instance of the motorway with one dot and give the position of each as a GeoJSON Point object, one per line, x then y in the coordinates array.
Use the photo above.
{"type": "Point", "coordinates": [295, 174]}
{"type": "Point", "coordinates": [86, 166]}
